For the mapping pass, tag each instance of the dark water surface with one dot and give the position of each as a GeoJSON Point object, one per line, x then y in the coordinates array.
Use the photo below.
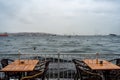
{"type": "Point", "coordinates": [64, 44]}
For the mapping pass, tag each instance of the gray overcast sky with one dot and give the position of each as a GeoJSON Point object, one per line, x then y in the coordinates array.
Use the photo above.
{"type": "Point", "coordinates": [60, 16]}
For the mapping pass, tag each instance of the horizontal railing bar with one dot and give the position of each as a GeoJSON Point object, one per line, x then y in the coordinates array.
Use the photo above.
{"type": "Point", "coordinates": [60, 54]}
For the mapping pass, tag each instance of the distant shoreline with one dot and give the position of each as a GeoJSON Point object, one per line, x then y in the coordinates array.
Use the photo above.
{"type": "Point", "coordinates": [50, 34]}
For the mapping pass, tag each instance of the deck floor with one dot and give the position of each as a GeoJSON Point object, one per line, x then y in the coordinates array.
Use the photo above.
{"type": "Point", "coordinates": [51, 79]}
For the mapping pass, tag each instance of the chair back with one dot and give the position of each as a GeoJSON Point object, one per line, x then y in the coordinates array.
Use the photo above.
{"type": "Point", "coordinates": [118, 61]}
{"type": "Point", "coordinates": [78, 63]}
{"type": "Point", "coordinates": [4, 62]}
{"type": "Point", "coordinates": [39, 74]}
{"type": "Point", "coordinates": [45, 69]}
{"type": "Point", "coordinates": [89, 75]}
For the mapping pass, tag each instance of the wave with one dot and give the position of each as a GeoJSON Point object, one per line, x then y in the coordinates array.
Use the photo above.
{"type": "Point", "coordinates": [74, 51]}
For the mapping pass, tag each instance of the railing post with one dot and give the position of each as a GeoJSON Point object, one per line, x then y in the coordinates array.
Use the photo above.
{"type": "Point", "coordinates": [58, 65]}
{"type": "Point", "coordinates": [19, 54]}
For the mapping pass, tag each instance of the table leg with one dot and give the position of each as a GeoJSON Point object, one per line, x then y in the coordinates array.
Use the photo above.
{"type": "Point", "coordinates": [106, 73]}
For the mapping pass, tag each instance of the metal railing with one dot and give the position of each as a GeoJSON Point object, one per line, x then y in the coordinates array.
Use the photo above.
{"type": "Point", "coordinates": [61, 66]}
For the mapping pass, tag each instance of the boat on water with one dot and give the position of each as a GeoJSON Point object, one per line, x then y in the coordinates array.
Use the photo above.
{"type": "Point", "coordinates": [112, 34]}
{"type": "Point", "coordinates": [3, 34]}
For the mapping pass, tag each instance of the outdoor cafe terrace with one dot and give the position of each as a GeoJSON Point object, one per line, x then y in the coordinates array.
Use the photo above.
{"type": "Point", "coordinates": [61, 66]}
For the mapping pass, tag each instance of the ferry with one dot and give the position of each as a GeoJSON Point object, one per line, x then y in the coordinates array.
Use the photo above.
{"type": "Point", "coordinates": [3, 34]}
{"type": "Point", "coordinates": [112, 34]}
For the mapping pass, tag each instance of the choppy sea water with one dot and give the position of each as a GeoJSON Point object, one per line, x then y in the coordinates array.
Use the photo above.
{"type": "Point", "coordinates": [63, 44]}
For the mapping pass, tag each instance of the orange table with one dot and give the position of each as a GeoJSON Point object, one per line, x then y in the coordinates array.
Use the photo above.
{"type": "Point", "coordinates": [105, 67]}
{"type": "Point", "coordinates": [20, 66]}
{"type": "Point", "coordinates": [97, 66]}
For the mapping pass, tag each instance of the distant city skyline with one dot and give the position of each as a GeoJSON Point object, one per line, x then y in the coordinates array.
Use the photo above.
{"type": "Point", "coordinates": [71, 17]}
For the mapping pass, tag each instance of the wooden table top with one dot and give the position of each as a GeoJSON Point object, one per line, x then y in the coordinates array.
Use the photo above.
{"type": "Point", "coordinates": [97, 66]}
{"type": "Point", "coordinates": [20, 66]}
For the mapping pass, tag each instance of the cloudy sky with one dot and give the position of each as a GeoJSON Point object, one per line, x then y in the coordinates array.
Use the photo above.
{"type": "Point", "coordinates": [60, 16]}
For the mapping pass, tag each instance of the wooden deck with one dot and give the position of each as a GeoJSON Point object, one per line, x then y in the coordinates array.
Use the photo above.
{"type": "Point", "coordinates": [46, 79]}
